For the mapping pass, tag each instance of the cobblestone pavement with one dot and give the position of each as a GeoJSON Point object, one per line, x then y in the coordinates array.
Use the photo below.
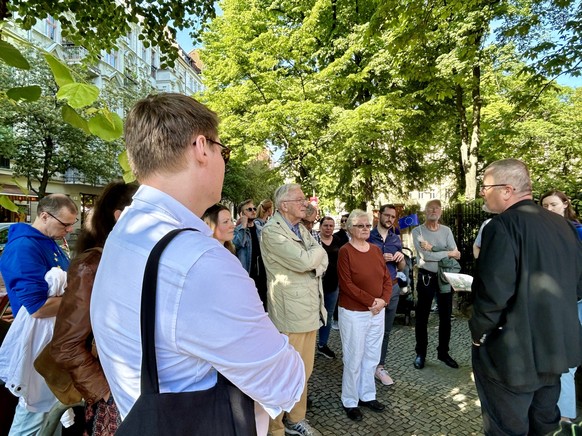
{"type": "Point", "coordinates": [436, 400]}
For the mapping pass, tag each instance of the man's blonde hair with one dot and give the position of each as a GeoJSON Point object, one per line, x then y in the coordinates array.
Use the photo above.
{"type": "Point", "coordinates": [159, 128]}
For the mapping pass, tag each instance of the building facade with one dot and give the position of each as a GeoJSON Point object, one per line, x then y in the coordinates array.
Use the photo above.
{"type": "Point", "coordinates": [131, 65]}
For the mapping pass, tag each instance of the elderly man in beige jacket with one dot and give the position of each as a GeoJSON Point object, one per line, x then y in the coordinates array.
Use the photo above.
{"type": "Point", "coordinates": [295, 263]}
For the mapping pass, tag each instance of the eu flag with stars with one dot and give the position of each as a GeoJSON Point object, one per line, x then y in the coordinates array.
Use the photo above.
{"type": "Point", "coordinates": [408, 221]}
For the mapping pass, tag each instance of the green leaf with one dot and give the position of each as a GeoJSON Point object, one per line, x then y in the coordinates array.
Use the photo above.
{"type": "Point", "coordinates": [6, 203]}
{"type": "Point", "coordinates": [78, 95]}
{"type": "Point", "coordinates": [12, 56]}
{"type": "Point", "coordinates": [27, 93]}
{"type": "Point", "coordinates": [123, 160]}
{"type": "Point", "coordinates": [74, 119]}
{"type": "Point", "coordinates": [61, 72]}
{"type": "Point", "coordinates": [106, 125]}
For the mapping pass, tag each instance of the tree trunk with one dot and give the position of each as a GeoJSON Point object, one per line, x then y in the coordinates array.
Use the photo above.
{"type": "Point", "coordinates": [470, 164]}
{"type": "Point", "coordinates": [464, 137]}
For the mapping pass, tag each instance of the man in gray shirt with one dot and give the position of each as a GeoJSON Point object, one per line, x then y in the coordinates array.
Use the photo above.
{"type": "Point", "coordinates": [433, 242]}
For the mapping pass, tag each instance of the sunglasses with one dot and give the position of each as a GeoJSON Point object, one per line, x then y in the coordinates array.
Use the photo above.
{"type": "Point", "coordinates": [224, 150]}
{"type": "Point", "coordinates": [251, 209]}
{"type": "Point", "coordinates": [362, 226]}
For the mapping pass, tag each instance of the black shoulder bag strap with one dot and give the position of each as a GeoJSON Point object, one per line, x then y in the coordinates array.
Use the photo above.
{"type": "Point", "coordinates": [150, 383]}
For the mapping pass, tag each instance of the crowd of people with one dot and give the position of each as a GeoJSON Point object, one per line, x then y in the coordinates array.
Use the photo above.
{"type": "Point", "coordinates": [253, 302]}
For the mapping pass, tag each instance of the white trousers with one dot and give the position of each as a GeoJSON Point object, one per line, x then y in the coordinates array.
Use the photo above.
{"type": "Point", "coordinates": [361, 334]}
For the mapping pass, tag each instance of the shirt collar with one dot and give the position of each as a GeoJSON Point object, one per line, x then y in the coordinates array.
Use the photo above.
{"type": "Point", "coordinates": [158, 200]}
{"type": "Point", "coordinates": [294, 228]}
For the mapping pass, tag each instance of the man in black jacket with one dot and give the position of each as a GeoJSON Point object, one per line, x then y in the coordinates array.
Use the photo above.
{"type": "Point", "coordinates": [525, 327]}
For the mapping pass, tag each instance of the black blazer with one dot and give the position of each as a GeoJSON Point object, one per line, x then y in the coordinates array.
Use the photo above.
{"type": "Point", "coordinates": [529, 278]}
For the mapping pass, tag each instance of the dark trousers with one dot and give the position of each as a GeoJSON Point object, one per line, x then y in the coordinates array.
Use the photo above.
{"type": "Point", "coordinates": [510, 410]}
{"type": "Point", "coordinates": [426, 288]}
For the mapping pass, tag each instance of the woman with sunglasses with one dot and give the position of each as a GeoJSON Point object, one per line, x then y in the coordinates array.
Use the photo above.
{"type": "Point", "coordinates": [365, 288]}
{"type": "Point", "coordinates": [247, 235]}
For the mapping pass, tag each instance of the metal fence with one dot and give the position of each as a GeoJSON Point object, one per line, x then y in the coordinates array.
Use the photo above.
{"type": "Point", "coordinates": [464, 221]}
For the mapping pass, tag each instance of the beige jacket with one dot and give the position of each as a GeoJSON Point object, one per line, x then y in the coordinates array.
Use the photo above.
{"type": "Point", "coordinates": [294, 270]}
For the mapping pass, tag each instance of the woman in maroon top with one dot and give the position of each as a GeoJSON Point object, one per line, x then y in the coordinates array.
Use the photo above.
{"type": "Point", "coordinates": [365, 288]}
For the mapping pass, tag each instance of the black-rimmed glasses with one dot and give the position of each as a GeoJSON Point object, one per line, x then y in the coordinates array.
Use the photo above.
{"type": "Point", "coordinates": [224, 150]}
{"type": "Point", "coordinates": [484, 188]}
{"type": "Point", "coordinates": [65, 225]}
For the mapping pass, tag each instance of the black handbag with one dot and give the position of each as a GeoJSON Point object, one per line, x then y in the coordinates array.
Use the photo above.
{"type": "Point", "coordinates": [221, 410]}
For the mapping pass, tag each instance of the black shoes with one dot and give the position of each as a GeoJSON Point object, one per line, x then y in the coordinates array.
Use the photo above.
{"type": "Point", "coordinates": [354, 413]}
{"type": "Point", "coordinates": [449, 361]}
{"type": "Point", "coordinates": [325, 352]}
{"type": "Point", "coordinates": [419, 361]}
{"type": "Point", "coordinates": [374, 405]}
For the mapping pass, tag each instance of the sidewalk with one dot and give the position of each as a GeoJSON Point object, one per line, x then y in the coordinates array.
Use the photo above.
{"type": "Point", "coordinates": [436, 400]}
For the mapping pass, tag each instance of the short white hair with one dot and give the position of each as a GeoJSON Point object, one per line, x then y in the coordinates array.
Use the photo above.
{"type": "Point", "coordinates": [283, 191]}
{"type": "Point", "coordinates": [354, 215]}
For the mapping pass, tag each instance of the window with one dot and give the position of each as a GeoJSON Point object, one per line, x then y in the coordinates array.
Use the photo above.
{"type": "Point", "coordinates": [111, 58]}
{"type": "Point", "coordinates": [50, 28]}
{"type": "Point", "coordinates": [4, 162]}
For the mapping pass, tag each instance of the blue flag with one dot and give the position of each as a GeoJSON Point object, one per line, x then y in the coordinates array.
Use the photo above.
{"type": "Point", "coordinates": [408, 221]}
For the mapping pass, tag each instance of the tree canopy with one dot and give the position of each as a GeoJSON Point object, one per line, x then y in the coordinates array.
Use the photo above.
{"type": "Point", "coordinates": [97, 25]}
{"type": "Point", "coordinates": [359, 98]}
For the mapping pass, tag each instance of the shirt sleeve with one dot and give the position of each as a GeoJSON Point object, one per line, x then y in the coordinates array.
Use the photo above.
{"type": "Point", "coordinates": [494, 283]}
{"type": "Point", "coordinates": [292, 253]}
{"type": "Point", "coordinates": [24, 273]}
{"type": "Point", "coordinates": [240, 237]}
{"type": "Point", "coordinates": [239, 339]}
{"type": "Point", "coordinates": [72, 328]}
{"type": "Point", "coordinates": [427, 256]}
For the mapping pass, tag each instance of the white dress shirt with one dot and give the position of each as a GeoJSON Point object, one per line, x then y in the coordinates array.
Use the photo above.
{"type": "Point", "coordinates": [209, 316]}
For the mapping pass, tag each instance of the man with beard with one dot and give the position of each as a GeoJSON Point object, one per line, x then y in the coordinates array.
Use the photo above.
{"type": "Point", "coordinates": [387, 238]}
{"type": "Point", "coordinates": [428, 238]}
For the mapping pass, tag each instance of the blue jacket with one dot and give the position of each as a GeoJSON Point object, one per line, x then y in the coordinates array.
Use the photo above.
{"type": "Point", "coordinates": [244, 244]}
{"type": "Point", "coordinates": [391, 245]}
{"type": "Point", "coordinates": [27, 257]}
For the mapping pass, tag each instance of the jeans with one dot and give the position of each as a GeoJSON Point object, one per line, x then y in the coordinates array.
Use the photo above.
{"type": "Point", "coordinates": [329, 301]}
{"type": "Point", "coordinates": [426, 288]}
{"type": "Point", "coordinates": [26, 423]}
{"type": "Point", "coordinates": [389, 315]}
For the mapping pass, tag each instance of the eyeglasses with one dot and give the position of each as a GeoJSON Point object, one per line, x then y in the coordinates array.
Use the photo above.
{"type": "Point", "coordinates": [251, 209]}
{"type": "Point", "coordinates": [484, 188]}
{"type": "Point", "coordinates": [362, 226]}
{"type": "Point", "coordinates": [300, 200]}
{"type": "Point", "coordinates": [224, 151]}
{"type": "Point", "coordinates": [65, 225]}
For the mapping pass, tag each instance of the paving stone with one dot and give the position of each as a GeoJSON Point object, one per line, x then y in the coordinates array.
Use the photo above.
{"type": "Point", "coordinates": [434, 401]}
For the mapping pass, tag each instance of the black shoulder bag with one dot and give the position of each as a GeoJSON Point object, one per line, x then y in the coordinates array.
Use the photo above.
{"type": "Point", "coordinates": [221, 410]}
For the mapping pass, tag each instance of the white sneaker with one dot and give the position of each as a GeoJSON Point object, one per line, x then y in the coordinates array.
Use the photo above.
{"type": "Point", "coordinates": [382, 375]}
{"type": "Point", "coordinates": [334, 325]}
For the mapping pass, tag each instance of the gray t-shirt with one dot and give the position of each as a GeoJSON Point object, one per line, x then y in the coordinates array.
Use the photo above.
{"type": "Point", "coordinates": [441, 238]}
